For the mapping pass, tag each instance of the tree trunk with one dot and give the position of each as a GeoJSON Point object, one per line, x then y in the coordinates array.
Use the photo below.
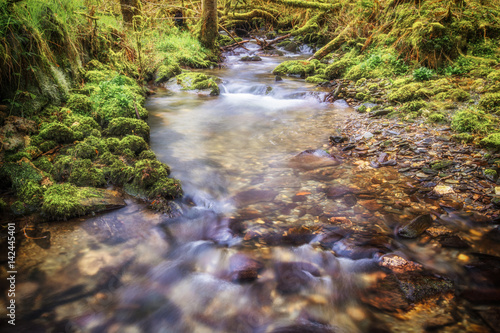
{"type": "Point", "coordinates": [130, 8]}
{"type": "Point", "coordinates": [209, 28]}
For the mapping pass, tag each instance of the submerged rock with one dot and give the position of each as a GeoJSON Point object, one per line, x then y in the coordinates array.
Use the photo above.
{"type": "Point", "coordinates": [250, 197]}
{"type": "Point", "coordinates": [313, 159]}
{"type": "Point", "coordinates": [416, 227]}
{"type": "Point", "coordinates": [244, 268]}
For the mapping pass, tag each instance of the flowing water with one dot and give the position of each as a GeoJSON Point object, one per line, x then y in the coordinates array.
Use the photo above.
{"type": "Point", "coordinates": [266, 239]}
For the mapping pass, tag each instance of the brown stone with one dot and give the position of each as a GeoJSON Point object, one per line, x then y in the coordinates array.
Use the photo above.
{"type": "Point", "coordinates": [371, 204]}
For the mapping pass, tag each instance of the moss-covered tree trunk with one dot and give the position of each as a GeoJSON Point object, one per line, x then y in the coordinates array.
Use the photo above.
{"type": "Point", "coordinates": [209, 25]}
{"type": "Point", "coordinates": [130, 8]}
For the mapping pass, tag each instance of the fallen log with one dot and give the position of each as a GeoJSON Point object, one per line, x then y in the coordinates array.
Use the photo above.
{"type": "Point", "coordinates": [264, 44]}
{"type": "Point", "coordinates": [229, 47]}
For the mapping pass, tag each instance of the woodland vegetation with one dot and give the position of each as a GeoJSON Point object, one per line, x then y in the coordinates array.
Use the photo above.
{"type": "Point", "coordinates": [74, 77]}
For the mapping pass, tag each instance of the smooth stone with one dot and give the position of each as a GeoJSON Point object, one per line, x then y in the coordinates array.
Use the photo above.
{"type": "Point", "coordinates": [416, 227]}
{"type": "Point", "coordinates": [313, 159]}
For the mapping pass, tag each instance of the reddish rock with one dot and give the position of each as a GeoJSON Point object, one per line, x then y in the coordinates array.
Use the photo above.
{"type": "Point", "coordinates": [371, 204]}
{"type": "Point", "coordinates": [244, 268]}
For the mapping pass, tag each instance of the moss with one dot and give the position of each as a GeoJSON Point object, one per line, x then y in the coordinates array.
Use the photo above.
{"type": "Point", "coordinates": [491, 141]}
{"type": "Point", "coordinates": [459, 95]}
{"type": "Point", "coordinates": [406, 93]}
{"type": "Point", "coordinates": [117, 171]}
{"type": "Point", "coordinates": [436, 117]}
{"type": "Point", "coordinates": [317, 79]}
{"type": "Point", "coordinates": [57, 132]}
{"type": "Point", "coordinates": [338, 68]}
{"type": "Point", "coordinates": [113, 144]}
{"type": "Point", "coordinates": [14, 157]}
{"type": "Point", "coordinates": [62, 201]}
{"type": "Point", "coordinates": [96, 76]}
{"type": "Point", "coordinates": [169, 189]}
{"type": "Point", "coordinates": [412, 106]}
{"type": "Point", "coordinates": [20, 173]}
{"type": "Point", "coordinates": [439, 165]}
{"type": "Point", "coordinates": [166, 72]}
{"type": "Point", "coordinates": [198, 81]}
{"type": "Point", "coordinates": [47, 145]}
{"type": "Point", "coordinates": [31, 193]}
{"type": "Point", "coordinates": [3, 205]}
{"type": "Point", "coordinates": [82, 126]}
{"type": "Point", "coordinates": [83, 150]}
{"type": "Point", "coordinates": [126, 126]}
{"type": "Point", "coordinates": [80, 104]}
{"type": "Point", "coordinates": [147, 155]}
{"type": "Point", "coordinates": [63, 165]}
{"type": "Point", "coordinates": [463, 137]}
{"type": "Point", "coordinates": [361, 96]}
{"type": "Point", "coordinates": [360, 82]}
{"type": "Point", "coordinates": [118, 97]}
{"type": "Point", "coordinates": [136, 144]}
{"type": "Point", "coordinates": [300, 68]}
{"type": "Point", "coordinates": [36, 140]}
{"type": "Point", "coordinates": [43, 163]}
{"type": "Point", "coordinates": [148, 172]}
{"type": "Point", "coordinates": [494, 76]}
{"type": "Point", "coordinates": [473, 121]}
{"type": "Point", "coordinates": [491, 172]}
{"type": "Point", "coordinates": [490, 102]}
{"type": "Point", "coordinates": [18, 208]}
{"type": "Point", "coordinates": [83, 173]}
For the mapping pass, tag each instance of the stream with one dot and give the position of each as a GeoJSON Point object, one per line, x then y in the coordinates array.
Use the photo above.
{"type": "Point", "coordinates": [273, 234]}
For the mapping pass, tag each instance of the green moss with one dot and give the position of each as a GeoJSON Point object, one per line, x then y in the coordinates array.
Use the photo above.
{"type": "Point", "coordinates": [18, 208]}
{"type": "Point", "coordinates": [43, 163]}
{"type": "Point", "coordinates": [20, 173]}
{"type": "Point", "coordinates": [136, 144]}
{"type": "Point", "coordinates": [459, 95]}
{"type": "Point", "coordinates": [118, 97]}
{"type": "Point", "coordinates": [63, 165]}
{"type": "Point", "coordinates": [436, 117]}
{"type": "Point", "coordinates": [491, 172]}
{"type": "Point", "coordinates": [36, 140]}
{"type": "Point", "coordinates": [80, 104]}
{"type": "Point", "coordinates": [147, 155]}
{"type": "Point", "coordinates": [169, 188]}
{"type": "Point", "coordinates": [412, 106]}
{"type": "Point", "coordinates": [490, 102]}
{"type": "Point", "coordinates": [151, 177]}
{"type": "Point", "coordinates": [62, 201]}
{"type": "Point", "coordinates": [117, 171]}
{"type": "Point", "coordinates": [57, 132]}
{"type": "Point", "coordinates": [83, 173]}
{"type": "Point", "coordinates": [166, 72]}
{"type": "Point", "coordinates": [127, 126]}
{"type": "Point", "coordinates": [494, 76]}
{"type": "Point", "coordinates": [3, 205]}
{"type": "Point", "coordinates": [338, 68]}
{"type": "Point", "coordinates": [31, 193]}
{"type": "Point", "coordinates": [96, 76]}
{"type": "Point", "coordinates": [491, 141]}
{"type": "Point", "coordinates": [423, 74]}
{"type": "Point", "coordinates": [439, 165]}
{"type": "Point", "coordinates": [198, 81]}
{"type": "Point", "coordinates": [83, 150]}
{"type": "Point", "coordinates": [406, 93]}
{"type": "Point", "coordinates": [113, 144]}
{"type": "Point", "coordinates": [473, 121]}
{"type": "Point", "coordinates": [300, 68]}
{"type": "Point", "coordinates": [463, 137]}
{"type": "Point", "coordinates": [82, 126]}
{"type": "Point", "coordinates": [316, 79]}
{"type": "Point", "coordinates": [14, 157]}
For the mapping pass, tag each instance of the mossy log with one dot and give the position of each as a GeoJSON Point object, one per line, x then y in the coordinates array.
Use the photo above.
{"type": "Point", "coordinates": [309, 4]}
{"type": "Point", "coordinates": [256, 13]}
{"type": "Point", "coordinates": [310, 26]}
{"type": "Point", "coordinates": [332, 45]}
{"type": "Point", "coordinates": [264, 44]}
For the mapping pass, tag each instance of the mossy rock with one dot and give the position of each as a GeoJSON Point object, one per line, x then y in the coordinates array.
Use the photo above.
{"type": "Point", "coordinates": [491, 141]}
{"type": "Point", "coordinates": [300, 68]}
{"type": "Point", "coordinates": [490, 102]}
{"type": "Point", "coordinates": [117, 171]}
{"type": "Point", "coordinates": [96, 76]}
{"type": "Point", "coordinates": [317, 79]}
{"type": "Point", "coordinates": [198, 81]}
{"type": "Point", "coordinates": [463, 137]}
{"type": "Point", "coordinates": [439, 165]}
{"type": "Point", "coordinates": [47, 145]}
{"type": "Point", "coordinates": [412, 106]}
{"type": "Point", "coordinates": [80, 104]}
{"type": "Point", "coordinates": [406, 93]}
{"type": "Point", "coordinates": [57, 132]}
{"type": "Point", "coordinates": [436, 117]}
{"type": "Point", "coordinates": [147, 155]}
{"type": "Point", "coordinates": [472, 121]}
{"type": "Point", "coordinates": [82, 126]}
{"type": "Point", "coordinates": [83, 173]}
{"type": "Point", "coordinates": [459, 95]}
{"type": "Point", "coordinates": [148, 172]}
{"type": "Point", "coordinates": [166, 72]}
{"type": "Point", "coordinates": [494, 76]}
{"type": "Point", "coordinates": [63, 201]}
{"type": "Point", "coordinates": [43, 163]}
{"type": "Point", "coordinates": [113, 144]}
{"type": "Point", "coordinates": [134, 143]}
{"type": "Point", "coordinates": [121, 127]}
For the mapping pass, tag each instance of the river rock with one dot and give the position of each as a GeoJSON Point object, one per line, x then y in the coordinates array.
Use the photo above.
{"type": "Point", "coordinates": [416, 227]}
{"type": "Point", "coordinates": [104, 200]}
{"type": "Point", "coordinates": [244, 268]}
{"type": "Point", "coordinates": [254, 196]}
{"type": "Point", "coordinates": [291, 277]}
{"type": "Point", "coordinates": [453, 241]}
{"type": "Point", "coordinates": [418, 286]}
{"type": "Point", "coordinates": [251, 58]}
{"type": "Point", "coordinates": [443, 190]}
{"type": "Point", "coordinates": [385, 295]}
{"type": "Point", "coordinates": [313, 159]}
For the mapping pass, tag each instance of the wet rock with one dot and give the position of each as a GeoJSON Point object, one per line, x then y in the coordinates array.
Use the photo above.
{"type": "Point", "coordinates": [416, 286]}
{"type": "Point", "coordinates": [443, 190]}
{"type": "Point", "coordinates": [399, 264]}
{"type": "Point", "coordinates": [453, 241]}
{"type": "Point", "coordinates": [104, 200]}
{"type": "Point", "coordinates": [361, 247]}
{"type": "Point", "coordinates": [291, 277]}
{"type": "Point", "coordinates": [491, 316]}
{"type": "Point", "coordinates": [305, 328]}
{"type": "Point", "coordinates": [350, 200]}
{"type": "Point", "coordinates": [244, 268]}
{"type": "Point", "coordinates": [337, 139]}
{"type": "Point", "coordinates": [485, 270]}
{"type": "Point", "coordinates": [416, 227]}
{"type": "Point", "coordinates": [371, 205]}
{"type": "Point", "coordinates": [494, 234]}
{"type": "Point", "coordinates": [278, 78]}
{"type": "Point", "coordinates": [251, 197]}
{"type": "Point", "coordinates": [439, 321]}
{"type": "Point", "coordinates": [299, 235]}
{"type": "Point", "coordinates": [481, 295]}
{"type": "Point", "coordinates": [385, 295]}
{"type": "Point", "coordinates": [338, 191]}
{"type": "Point", "coordinates": [313, 159]}
{"type": "Point", "coordinates": [251, 58]}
